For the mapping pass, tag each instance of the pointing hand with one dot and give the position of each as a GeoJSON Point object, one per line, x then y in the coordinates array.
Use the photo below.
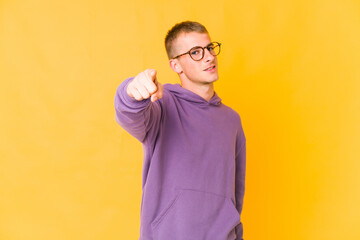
{"type": "Point", "coordinates": [144, 86]}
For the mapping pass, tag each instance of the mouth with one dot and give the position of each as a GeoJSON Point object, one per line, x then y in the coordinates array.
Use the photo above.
{"type": "Point", "coordinates": [210, 68]}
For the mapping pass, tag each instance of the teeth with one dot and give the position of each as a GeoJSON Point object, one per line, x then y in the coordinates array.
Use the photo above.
{"type": "Point", "coordinates": [210, 68]}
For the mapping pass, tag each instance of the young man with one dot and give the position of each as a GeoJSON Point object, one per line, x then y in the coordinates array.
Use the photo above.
{"type": "Point", "coordinates": [194, 146]}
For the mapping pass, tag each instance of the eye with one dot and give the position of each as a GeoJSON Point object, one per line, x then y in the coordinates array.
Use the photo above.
{"type": "Point", "coordinates": [195, 52]}
{"type": "Point", "coordinates": [211, 47]}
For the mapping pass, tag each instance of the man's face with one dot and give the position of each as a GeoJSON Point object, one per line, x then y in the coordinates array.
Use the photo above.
{"type": "Point", "coordinates": [201, 72]}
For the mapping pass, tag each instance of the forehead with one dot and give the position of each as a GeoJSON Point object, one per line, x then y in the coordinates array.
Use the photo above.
{"type": "Point", "coordinates": [186, 41]}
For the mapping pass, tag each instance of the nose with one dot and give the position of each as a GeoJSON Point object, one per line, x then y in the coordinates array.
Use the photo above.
{"type": "Point", "coordinates": [208, 56]}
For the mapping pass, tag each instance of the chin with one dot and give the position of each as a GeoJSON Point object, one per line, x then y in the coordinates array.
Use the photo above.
{"type": "Point", "coordinates": [214, 79]}
{"type": "Point", "coordinates": [203, 80]}
{"type": "Point", "coordinates": [209, 81]}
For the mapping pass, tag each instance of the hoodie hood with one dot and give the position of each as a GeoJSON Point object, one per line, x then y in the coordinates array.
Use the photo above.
{"type": "Point", "coordinates": [190, 96]}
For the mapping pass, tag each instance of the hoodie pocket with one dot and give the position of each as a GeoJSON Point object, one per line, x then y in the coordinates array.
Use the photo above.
{"type": "Point", "coordinates": [196, 215]}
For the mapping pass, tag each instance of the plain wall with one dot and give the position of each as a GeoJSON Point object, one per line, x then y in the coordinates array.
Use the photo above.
{"type": "Point", "coordinates": [290, 68]}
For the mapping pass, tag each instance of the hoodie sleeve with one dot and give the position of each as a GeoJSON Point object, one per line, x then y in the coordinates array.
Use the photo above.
{"type": "Point", "coordinates": [240, 177]}
{"type": "Point", "coordinates": [136, 117]}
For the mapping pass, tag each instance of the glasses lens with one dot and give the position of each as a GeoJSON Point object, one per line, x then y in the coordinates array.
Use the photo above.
{"type": "Point", "coordinates": [197, 53]}
{"type": "Point", "coordinates": [214, 49]}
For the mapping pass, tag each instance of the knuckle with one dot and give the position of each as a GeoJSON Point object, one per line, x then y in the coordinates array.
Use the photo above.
{"type": "Point", "coordinates": [153, 90]}
{"type": "Point", "coordinates": [143, 79]}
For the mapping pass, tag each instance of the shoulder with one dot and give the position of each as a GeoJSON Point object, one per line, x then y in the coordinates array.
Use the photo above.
{"type": "Point", "coordinates": [170, 87]}
{"type": "Point", "coordinates": [171, 92]}
{"type": "Point", "coordinates": [231, 112]}
{"type": "Point", "coordinates": [235, 118]}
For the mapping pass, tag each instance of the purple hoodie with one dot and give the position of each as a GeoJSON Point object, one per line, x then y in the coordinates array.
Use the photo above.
{"type": "Point", "coordinates": [194, 164]}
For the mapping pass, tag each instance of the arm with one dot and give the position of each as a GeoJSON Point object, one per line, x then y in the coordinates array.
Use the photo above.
{"type": "Point", "coordinates": [240, 177]}
{"type": "Point", "coordinates": [136, 108]}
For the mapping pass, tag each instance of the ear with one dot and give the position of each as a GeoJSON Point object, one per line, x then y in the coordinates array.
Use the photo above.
{"type": "Point", "coordinates": [175, 65]}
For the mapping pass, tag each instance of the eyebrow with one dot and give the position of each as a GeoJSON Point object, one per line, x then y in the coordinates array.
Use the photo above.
{"type": "Point", "coordinates": [201, 46]}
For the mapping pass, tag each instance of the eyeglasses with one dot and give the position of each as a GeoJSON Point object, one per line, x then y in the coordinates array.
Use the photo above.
{"type": "Point", "coordinates": [197, 53]}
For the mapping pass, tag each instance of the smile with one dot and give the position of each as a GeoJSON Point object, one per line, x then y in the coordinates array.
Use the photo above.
{"type": "Point", "coordinates": [210, 68]}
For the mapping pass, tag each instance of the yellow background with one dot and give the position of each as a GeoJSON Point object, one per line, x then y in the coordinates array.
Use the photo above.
{"type": "Point", "coordinates": [290, 68]}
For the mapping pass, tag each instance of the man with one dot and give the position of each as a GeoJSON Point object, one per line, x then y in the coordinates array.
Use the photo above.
{"type": "Point", "coordinates": [194, 146]}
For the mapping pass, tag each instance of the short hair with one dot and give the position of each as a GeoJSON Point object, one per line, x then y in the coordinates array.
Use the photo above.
{"type": "Point", "coordinates": [179, 28]}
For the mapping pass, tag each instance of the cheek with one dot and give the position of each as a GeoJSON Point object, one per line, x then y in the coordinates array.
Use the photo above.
{"type": "Point", "coordinates": [189, 69]}
{"type": "Point", "coordinates": [216, 60]}
{"type": "Point", "coordinates": [192, 70]}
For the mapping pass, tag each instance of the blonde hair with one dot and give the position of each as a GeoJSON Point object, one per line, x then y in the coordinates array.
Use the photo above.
{"type": "Point", "coordinates": [176, 30]}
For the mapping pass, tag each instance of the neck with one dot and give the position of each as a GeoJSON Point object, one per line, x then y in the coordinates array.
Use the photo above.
{"type": "Point", "coordinates": [205, 90]}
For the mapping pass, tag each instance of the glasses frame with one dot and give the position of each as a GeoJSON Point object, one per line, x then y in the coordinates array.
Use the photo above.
{"type": "Point", "coordinates": [203, 51]}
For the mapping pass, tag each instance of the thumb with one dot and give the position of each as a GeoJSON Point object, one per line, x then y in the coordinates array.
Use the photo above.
{"type": "Point", "coordinates": [159, 93]}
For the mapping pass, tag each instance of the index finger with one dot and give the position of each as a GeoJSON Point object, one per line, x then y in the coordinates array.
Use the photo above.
{"type": "Point", "coordinates": [149, 84]}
